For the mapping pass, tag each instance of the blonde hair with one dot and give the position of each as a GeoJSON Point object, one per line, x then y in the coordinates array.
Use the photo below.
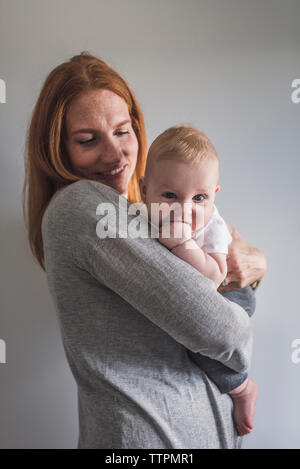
{"type": "Point", "coordinates": [47, 166]}
{"type": "Point", "coordinates": [184, 143]}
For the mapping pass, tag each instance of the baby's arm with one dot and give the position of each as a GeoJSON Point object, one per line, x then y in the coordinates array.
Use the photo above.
{"type": "Point", "coordinates": [212, 265]}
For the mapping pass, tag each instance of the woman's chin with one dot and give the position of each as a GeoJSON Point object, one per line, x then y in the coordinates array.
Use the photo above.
{"type": "Point", "coordinates": [120, 186]}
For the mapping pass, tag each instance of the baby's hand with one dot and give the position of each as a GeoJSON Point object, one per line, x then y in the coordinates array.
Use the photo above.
{"type": "Point", "coordinates": [179, 233]}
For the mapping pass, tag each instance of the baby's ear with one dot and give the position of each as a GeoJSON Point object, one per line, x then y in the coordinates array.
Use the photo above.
{"type": "Point", "coordinates": [142, 188]}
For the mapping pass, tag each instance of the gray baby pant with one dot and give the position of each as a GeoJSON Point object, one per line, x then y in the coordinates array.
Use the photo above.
{"type": "Point", "coordinates": [225, 378]}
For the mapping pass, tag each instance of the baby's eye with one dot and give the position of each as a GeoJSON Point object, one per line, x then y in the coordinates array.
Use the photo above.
{"type": "Point", "coordinates": [197, 197]}
{"type": "Point", "coordinates": [169, 195]}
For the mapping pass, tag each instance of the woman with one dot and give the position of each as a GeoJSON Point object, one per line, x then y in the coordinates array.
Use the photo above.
{"type": "Point", "coordinates": [128, 318]}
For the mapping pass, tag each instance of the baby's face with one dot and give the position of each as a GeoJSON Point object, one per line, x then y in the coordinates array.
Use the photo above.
{"type": "Point", "coordinates": [193, 187]}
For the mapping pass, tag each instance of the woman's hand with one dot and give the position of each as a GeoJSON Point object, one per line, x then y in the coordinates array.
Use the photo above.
{"type": "Point", "coordinates": [245, 264]}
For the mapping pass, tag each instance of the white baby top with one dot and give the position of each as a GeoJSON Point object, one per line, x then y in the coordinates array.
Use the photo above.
{"type": "Point", "coordinates": [215, 236]}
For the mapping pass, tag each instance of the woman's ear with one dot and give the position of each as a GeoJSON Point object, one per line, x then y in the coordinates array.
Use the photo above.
{"type": "Point", "coordinates": [142, 188]}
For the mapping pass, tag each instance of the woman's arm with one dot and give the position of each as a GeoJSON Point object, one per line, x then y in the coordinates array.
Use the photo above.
{"type": "Point", "coordinates": [246, 265]}
{"type": "Point", "coordinates": [162, 287]}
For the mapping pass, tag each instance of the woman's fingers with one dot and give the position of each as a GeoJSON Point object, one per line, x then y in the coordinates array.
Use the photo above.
{"type": "Point", "coordinates": [245, 266]}
{"type": "Point", "coordinates": [232, 285]}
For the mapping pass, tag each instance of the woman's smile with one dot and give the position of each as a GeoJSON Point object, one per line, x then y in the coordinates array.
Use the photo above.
{"type": "Point", "coordinates": [114, 174]}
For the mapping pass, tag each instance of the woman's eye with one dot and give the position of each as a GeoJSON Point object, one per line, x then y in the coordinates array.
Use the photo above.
{"type": "Point", "coordinates": [169, 195]}
{"type": "Point", "coordinates": [92, 140]}
{"type": "Point", "coordinates": [86, 142]}
{"type": "Point", "coordinates": [197, 197]}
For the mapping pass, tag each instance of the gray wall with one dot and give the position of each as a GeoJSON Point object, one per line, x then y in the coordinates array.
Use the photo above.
{"type": "Point", "coordinates": [225, 65]}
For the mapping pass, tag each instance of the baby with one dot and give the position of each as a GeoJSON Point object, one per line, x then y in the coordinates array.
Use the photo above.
{"type": "Point", "coordinates": [183, 167]}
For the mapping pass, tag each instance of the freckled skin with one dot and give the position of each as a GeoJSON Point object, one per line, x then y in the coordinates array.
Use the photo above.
{"type": "Point", "coordinates": [98, 112]}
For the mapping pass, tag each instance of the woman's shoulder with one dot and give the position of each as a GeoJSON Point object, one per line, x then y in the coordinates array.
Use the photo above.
{"type": "Point", "coordinates": [79, 196]}
{"type": "Point", "coordinates": [73, 208]}
{"type": "Point", "coordinates": [82, 190]}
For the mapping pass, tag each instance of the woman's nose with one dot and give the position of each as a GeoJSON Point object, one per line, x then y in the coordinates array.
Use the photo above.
{"type": "Point", "coordinates": [109, 151]}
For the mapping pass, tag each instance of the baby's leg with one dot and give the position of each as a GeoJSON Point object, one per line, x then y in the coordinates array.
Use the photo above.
{"type": "Point", "coordinates": [244, 396]}
{"type": "Point", "coordinates": [244, 399]}
{"type": "Point", "coordinates": [227, 380]}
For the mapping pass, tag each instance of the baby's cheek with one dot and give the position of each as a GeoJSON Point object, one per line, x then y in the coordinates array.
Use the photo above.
{"type": "Point", "coordinates": [154, 215]}
{"type": "Point", "coordinates": [199, 219]}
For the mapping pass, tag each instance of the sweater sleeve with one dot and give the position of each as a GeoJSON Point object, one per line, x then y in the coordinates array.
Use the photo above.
{"type": "Point", "coordinates": [162, 287]}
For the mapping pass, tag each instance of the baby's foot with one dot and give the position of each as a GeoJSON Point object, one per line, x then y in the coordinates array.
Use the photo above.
{"type": "Point", "coordinates": [244, 399]}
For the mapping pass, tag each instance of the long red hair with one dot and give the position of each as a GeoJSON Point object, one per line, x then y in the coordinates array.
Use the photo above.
{"type": "Point", "coordinates": [47, 166]}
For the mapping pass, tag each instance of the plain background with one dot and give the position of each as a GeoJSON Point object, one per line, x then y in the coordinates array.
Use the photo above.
{"type": "Point", "coordinates": [227, 67]}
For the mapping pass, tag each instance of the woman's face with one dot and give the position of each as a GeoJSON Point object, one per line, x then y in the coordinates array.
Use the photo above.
{"type": "Point", "coordinates": [100, 139]}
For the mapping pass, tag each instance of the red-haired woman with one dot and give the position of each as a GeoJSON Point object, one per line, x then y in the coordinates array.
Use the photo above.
{"type": "Point", "coordinates": [128, 309]}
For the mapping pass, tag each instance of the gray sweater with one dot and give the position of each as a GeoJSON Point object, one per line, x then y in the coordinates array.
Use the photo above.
{"type": "Point", "coordinates": [128, 310]}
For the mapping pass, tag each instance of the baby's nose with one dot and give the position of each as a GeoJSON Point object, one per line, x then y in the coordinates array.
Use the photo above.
{"type": "Point", "coordinates": [187, 213]}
